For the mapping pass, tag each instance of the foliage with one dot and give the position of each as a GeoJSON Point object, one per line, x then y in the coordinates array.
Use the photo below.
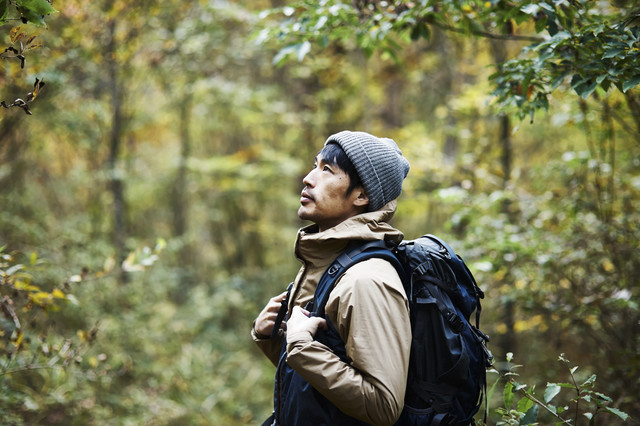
{"type": "Point", "coordinates": [561, 255]}
{"type": "Point", "coordinates": [24, 304]}
{"type": "Point", "coordinates": [22, 40]}
{"type": "Point", "coordinates": [585, 400]}
{"type": "Point", "coordinates": [33, 11]}
{"type": "Point", "coordinates": [31, 96]}
{"type": "Point", "coordinates": [39, 355]}
{"type": "Point", "coordinates": [591, 49]}
{"type": "Point", "coordinates": [591, 45]}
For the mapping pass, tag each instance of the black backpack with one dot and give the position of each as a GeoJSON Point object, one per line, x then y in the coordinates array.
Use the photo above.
{"type": "Point", "coordinates": [449, 357]}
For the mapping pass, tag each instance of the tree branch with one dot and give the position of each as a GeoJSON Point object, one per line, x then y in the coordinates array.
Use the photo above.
{"type": "Point", "coordinates": [504, 37]}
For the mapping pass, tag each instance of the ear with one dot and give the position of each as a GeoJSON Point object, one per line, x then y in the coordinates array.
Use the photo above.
{"type": "Point", "coordinates": [361, 200]}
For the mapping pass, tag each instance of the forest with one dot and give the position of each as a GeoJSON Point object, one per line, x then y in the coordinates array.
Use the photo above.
{"type": "Point", "coordinates": [151, 161]}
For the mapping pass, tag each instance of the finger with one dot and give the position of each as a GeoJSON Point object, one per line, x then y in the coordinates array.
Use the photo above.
{"type": "Point", "coordinates": [279, 298]}
{"type": "Point", "coordinates": [320, 323]}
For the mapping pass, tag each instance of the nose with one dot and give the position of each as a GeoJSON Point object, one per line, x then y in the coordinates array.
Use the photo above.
{"type": "Point", "coordinates": [308, 179]}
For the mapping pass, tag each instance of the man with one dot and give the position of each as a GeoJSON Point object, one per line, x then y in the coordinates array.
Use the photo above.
{"type": "Point", "coordinates": [349, 195]}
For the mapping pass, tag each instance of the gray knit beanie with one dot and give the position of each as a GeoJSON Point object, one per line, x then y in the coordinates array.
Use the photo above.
{"type": "Point", "coordinates": [379, 163]}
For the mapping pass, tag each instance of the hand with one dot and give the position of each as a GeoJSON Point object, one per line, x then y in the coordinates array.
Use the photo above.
{"type": "Point", "coordinates": [267, 318]}
{"type": "Point", "coordinates": [299, 321]}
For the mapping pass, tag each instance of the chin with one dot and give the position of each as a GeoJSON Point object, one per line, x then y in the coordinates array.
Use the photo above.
{"type": "Point", "coordinates": [302, 214]}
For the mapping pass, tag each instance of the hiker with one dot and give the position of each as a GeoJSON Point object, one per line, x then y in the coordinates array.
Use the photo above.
{"type": "Point", "coordinates": [356, 360]}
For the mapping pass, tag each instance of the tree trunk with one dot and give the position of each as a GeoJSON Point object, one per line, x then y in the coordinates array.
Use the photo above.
{"type": "Point", "coordinates": [633, 101]}
{"type": "Point", "coordinates": [180, 205]}
{"type": "Point", "coordinates": [116, 183]}
{"type": "Point", "coordinates": [499, 51]}
{"type": "Point", "coordinates": [444, 46]}
{"type": "Point", "coordinates": [179, 194]}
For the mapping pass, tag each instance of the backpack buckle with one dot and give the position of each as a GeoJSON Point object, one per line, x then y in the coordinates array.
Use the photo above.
{"type": "Point", "coordinates": [333, 269]}
{"type": "Point", "coordinates": [454, 321]}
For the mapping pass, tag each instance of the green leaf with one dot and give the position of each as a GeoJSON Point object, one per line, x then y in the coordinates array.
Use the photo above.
{"type": "Point", "coordinates": [524, 405]}
{"type": "Point", "coordinates": [420, 31]}
{"type": "Point", "coordinates": [15, 268]}
{"type": "Point", "coordinates": [4, 10]}
{"type": "Point", "coordinates": [631, 83]}
{"type": "Point", "coordinates": [552, 27]}
{"type": "Point", "coordinates": [547, 7]}
{"type": "Point", "coordinates": [576, 80]}
{"type": "Point", "coordinates": [530, 9]}
{"type": "Point", "coordinates": [585, 89]}
{"type": "Point", "coordinates": [531, 416]}
{"type": "Point", "coordinates": [624, 416]}
{"type": "Point", "coordinates": [590, 381]}
{"type": "Point", "coordinates": [552, 390]}
{"type": "Point", "coordinates": [557, 81]}
{"type": "Point", "coordinates": [566, 385]}
{"type": "Point", "coordinates": [602, 398]}
{"type": "Point", "coordinates": [41, 7]}
{"type": "Point", "coordinates": [541, 24]}
{"type": "Point", "coordinates": [507, 395]}
{"type": "Point", "coordinates": [32, 17]}
{"type": "Point", "coordinates": [302, 50]}
{"type": "Point", "coordinates": [612, 53]}
{"type": "Point", "coordinates": [492, 389]}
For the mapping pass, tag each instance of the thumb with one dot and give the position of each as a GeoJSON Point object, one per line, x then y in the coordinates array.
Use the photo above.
{"type": "Point", "coordinates": [320, 322]}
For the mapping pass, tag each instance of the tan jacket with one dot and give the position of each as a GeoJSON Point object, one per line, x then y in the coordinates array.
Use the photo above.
{"type": "Point", "coordinates": [369, 309]}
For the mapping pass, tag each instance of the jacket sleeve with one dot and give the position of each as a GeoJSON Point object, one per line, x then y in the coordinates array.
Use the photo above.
{"type": "Point", "coordinates": [370, 311]}
{"type": "Point", "coordinates": [271, 347]}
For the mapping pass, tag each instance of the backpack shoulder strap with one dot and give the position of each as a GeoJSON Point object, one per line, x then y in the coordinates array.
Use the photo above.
{"type": "Point", "coordinates": [352, 255]}
{"type": "Point", "coordinates": [284, 306]}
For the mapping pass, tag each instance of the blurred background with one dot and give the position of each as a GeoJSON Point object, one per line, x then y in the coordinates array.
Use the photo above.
{"type": "Point", "coordinates": [148, 203]}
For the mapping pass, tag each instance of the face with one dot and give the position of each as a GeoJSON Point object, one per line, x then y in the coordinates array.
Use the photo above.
{"type": "Point", "coordinates": [324, 200]}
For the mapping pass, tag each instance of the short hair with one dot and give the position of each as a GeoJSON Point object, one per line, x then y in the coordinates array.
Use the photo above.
{"type": "Point", "coordinates": [333, 154]}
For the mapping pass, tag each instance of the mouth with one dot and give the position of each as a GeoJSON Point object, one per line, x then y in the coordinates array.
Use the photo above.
{"type": "Point", "coordinates": [305, 197]}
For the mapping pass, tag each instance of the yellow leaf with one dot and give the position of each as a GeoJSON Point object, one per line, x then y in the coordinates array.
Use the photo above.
{"type": "Point", "coordinates": [109, 264]}
{"type": "Point", "coordinates": [131, 258]}
{"type": "Point", "coordinates": [161, 244]}
{"type": "Point", "coordinates": [40, 297]}
{"type": "Point", "coordinates": [18, 340]}
{"type": "Point", "coordinates": [501, 328]}
{"type": "Point", "coordinates": [608, 266]}
{"type": "Point", "coordinates": [16, 34]}
{"type": "Point", "coordinates": [56, 293]}
{"type": "Point", "coordinates": [24, 285]}
{"type": "Point", "coordinates": [520, 284]}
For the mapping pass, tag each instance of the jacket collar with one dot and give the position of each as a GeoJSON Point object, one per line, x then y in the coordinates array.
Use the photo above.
{"type": "Point", "coordinates": [318, 249]}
